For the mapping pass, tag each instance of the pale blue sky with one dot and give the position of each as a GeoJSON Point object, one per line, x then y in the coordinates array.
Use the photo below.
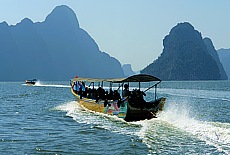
{"type": "Point", "coordinates": [131, 30]}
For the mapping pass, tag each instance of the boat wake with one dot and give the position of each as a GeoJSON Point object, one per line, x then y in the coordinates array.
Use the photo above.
{"type": "Point", "coordinates": [41, 84]}
{"type": "Point", "coordinates": [216, 134]}
{"type": "Point", "coordinates": [97, 120]}
{"type": "Point", "coordinates": [174, 125]}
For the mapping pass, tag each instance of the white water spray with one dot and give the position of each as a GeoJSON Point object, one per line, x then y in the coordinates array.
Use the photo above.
{"type": "Point", "coordinates": [41, 84]}
{"type": "Point", "coordinates": [213, 133]}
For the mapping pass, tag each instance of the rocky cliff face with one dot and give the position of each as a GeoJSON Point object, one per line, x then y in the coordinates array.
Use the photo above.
{"type": "Point", "coordinates": [56, 49]}
{"type": "Point", "coordinates": [184, 57]}
{"type": "Point", "coordinates": [214, 54]}
{"type": "Point", "coordinates": [224, 55]}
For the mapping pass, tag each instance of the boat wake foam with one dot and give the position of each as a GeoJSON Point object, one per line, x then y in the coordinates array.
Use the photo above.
{"type": "Point", "coordinates": [40, 84]}
{"type": "Point", "coordinates": [98, 120]}
{"type": "Point", "coordinates": [216, 134]}
{"type": "Point", "coordinates": [152, 131]}
{"type": "Point", "coordinates": [69, 107]}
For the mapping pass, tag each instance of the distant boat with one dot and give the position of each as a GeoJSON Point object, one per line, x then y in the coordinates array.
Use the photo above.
{"type": "Point", "coordinates": [131, 107]}
{"type": "Point", "coordinates": [31, 82]}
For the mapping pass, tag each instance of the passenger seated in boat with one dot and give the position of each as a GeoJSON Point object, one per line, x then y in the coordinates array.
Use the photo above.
{"type": "Point", "coordinates": [81, 89]}
{"type": "Point", "coordinates": [85, 92]}
{"type": "Point", "coordinates": [100, 94]}
{"type": "Point", "coordinates": [110, 95]}
{"type": "Point", "coordinates": [93, 93]}
{"type": "Point", "coordinates": [80, 92]}
{"type": "Point", "coordinates": [125, 92]}
{"type": "Point", "coordinates": [117, 97]}
{"type": "Point", "coordinates": [76, 87]}
{"type": "Point", "coordinates": [89, 93]}
{"type": "Point", "coordinates": [137, 99]}
{"type": "Point", "coordinates": [106, 99]}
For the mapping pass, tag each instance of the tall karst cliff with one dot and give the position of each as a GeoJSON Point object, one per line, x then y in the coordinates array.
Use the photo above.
{"type": "Point", "coordinates": [55, 49]}
{"type": "Point", "coordinates": [224, 55]}
{"type": "Point", "coordinates": [184, 57]}
{"type": "Point", "coordinates": [211, 49]}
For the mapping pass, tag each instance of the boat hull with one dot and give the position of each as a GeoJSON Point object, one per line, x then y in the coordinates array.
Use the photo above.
{"type": "Point", "coordinates": [31, 82]}
{"type": "Point", "coordinates": [142, 113]}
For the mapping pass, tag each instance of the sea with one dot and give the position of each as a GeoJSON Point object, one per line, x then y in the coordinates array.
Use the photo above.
{"type": "Point", "coordinates": [45, 119]}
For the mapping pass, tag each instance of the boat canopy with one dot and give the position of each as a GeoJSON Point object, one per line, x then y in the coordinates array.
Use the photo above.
{"type": "Point", "coordinates": [133, 78]}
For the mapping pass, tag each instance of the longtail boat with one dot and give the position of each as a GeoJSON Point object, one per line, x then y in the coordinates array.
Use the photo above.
{"type": "Point", "coordinates": [99, 97]}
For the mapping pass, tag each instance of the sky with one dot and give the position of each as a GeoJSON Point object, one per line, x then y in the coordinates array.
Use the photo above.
{"type": "Point", "coordinates": [132, 31]}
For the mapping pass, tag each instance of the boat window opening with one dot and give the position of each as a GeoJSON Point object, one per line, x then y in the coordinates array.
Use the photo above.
{"type": "Point", "coordinates": [90, 84]}
{"type": "Point", "coordinates": [146, 86]}
{"type": "Point", "coordinates": [118, 89]}
{"type": "Point", "coordinates": [119, 86]}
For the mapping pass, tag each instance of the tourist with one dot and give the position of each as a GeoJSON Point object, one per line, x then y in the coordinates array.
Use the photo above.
{"type": "Point", "coordinates": [125, 92]}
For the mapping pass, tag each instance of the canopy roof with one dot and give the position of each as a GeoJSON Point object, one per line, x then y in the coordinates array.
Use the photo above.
{"type": "Point", "coordinates": [133, 78]}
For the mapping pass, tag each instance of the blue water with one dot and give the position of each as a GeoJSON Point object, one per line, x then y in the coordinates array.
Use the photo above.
{"type": "Point", "coordinates": [46, 119]}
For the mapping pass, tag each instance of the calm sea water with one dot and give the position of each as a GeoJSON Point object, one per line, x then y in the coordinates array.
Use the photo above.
{"type": "Point", "coordinates": [46, 119]}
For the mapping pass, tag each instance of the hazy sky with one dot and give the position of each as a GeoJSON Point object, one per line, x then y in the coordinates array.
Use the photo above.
{"type": "Point", "coordinates": [131, 30]}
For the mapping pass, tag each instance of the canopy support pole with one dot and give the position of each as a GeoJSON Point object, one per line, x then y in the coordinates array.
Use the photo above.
{"type": "Point", "coordinates": [155, 92]}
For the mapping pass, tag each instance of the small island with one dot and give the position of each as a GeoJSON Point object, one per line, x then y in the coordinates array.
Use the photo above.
{"type": "Point", "coordinates": [187, 56]}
